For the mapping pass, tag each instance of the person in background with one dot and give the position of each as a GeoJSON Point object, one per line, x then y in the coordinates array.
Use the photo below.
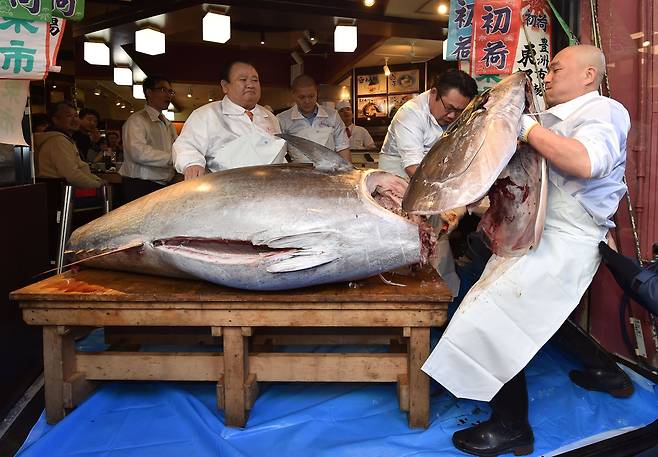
{"type": "Point", "coordinates": [39, 122]}
{"type": "Point", "coordinates": [639, 283]}
{"type": "Point", "coordinates": [87, 138]}
{"type": "Point", "coordinates": [359, 136]}
{"type": "Point", "coordinates": [420, 122]}
{"type": "Point", "coordinates": [110, 146]}
{"type": "Point", "coordinates": [309, 120]}
{"type": "Point", "coordinates": [148, 137]}
{"type": "Point", "coordinates": [233, 132]}
{"type": "Point", "coordinates": [56, 152]}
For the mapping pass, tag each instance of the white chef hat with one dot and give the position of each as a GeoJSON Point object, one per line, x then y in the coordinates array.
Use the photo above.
{"type": "Point", "coordinates": [343, 104]}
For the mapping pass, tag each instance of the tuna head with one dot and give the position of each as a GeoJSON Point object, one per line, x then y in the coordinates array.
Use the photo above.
{"type": "Point", "coordinates": [261, 228]}
{"type": "Point", "coordinates": [464, 163]}
{"type": "Point", "coordinates": [477, 156]}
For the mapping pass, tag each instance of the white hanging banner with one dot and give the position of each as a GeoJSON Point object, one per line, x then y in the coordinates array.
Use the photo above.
{"type": "Point", "coordinates": [13, 94]}
{"type": "Point", "coordinates": [24, 49]}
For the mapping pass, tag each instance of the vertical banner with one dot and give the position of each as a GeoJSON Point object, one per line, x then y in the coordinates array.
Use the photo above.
{"type": "Point", "coordinates": [534, 51]}
{"type": "Point", "coordinates": [496, 27]}
{"type": "Point", "coordinates": [14, 96]}
{"type": "Point", "coordinates": [56, 31]}
{"type": "Point", "coordinates": [460, 28]}
{"type": "Point", "coordinates": [43, 10]}
{"type": "Point", "coordinates": [24, 49]}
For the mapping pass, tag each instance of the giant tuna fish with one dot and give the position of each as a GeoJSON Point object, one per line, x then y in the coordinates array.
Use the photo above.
{"type": "Point", "coordinates": [478, 155]}
{"type": "Point", "coordinates": [263, 228]}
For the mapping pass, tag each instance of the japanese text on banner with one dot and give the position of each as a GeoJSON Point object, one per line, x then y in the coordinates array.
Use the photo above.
{"type": "Point", "coordinates": [460, 23]}
{"type": "Point", "coordinates": [496, 26]}
{"type": "Point", "coordinates": [43, 10]}
{"type": "Point", "coordinates": [534, 56]}
{"type": "Point", "coordinates": [24, 49]}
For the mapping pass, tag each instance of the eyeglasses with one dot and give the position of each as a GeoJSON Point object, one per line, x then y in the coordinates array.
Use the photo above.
{"type": "Point", "coordinates": [449, 110]}
{"type": "Point", "coordinates": [165, 90]}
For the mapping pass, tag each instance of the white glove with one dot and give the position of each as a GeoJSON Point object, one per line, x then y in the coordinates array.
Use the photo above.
{"type": "Point", "coordinates": [527, 124]}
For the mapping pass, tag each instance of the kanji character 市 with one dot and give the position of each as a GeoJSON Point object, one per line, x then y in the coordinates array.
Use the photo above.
{"type": "Point", "coordinates": [17, 24]}
{"type": "Point", "coordinates": [497, 20]}
{"type": "Point", "coordinates": [462, 50]}
{"type": "Point", "coordinates": [19, 55]}
{"type": "Point", "coordinates": [495, 54]}
{"type": "Point", "coordinates": [32, 6]}
{"type": "Point", "coordinates": [463, 14]}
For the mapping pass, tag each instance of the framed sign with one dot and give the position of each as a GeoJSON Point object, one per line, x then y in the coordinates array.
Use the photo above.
{"type": "Point", "coordinates": [371, 107]}
{"type": "Point", "coordinates": [404, 81]}
{"type": "Point", "coordinates": [371, 84]}
{"type": "Point", "coordinates": [396, 101]}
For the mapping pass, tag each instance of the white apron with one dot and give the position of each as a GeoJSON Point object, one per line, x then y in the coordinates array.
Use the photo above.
{"type": "Point", "coordinates": [392, 164]}
{"type": "Point", "coordinates": [320, 135]}
{"type": "Point", "coordinates": [255, 148]}
{"type": "Point", "coordinates": [518, 304]}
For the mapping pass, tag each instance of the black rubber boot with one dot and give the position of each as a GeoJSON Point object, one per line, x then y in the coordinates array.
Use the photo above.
{"type": "Point", "coordinates": [601, 372]}
{"type": "Point", "coordinates": [507, 430]}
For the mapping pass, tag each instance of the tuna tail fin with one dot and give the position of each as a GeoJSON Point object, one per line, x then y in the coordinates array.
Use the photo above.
{"type": "Point", "coordinates": [323, 158]}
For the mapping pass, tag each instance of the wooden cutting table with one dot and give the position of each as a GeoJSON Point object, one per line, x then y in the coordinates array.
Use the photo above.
{"type": "Point", "coordinates": [241, 321]}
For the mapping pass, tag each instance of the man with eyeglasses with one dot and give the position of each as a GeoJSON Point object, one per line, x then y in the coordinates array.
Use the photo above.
{"type": "Point", "coordinates": [416, 126]}
{"type": "Point", "coordinates": [420, 122]}
{"type": "Point", "coordinates": [147, 140]}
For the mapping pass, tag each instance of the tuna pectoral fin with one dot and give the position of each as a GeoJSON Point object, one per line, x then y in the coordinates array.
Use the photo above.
{"type": "Point", "coordinates": [300, 251]}
{"type": "Point", "coordinates": [299, 260]}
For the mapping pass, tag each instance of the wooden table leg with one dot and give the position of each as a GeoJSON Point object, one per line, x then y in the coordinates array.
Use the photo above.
{"type": "Point", "coordinates": [235, 375]}
{"type": "Point", "coordinates": [419, 383]}
{"type": "Point", "coordinates": [58, 365]}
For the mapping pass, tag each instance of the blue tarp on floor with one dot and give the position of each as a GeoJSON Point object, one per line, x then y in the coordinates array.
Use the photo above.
{"type": "Point", "coordinates": [163, 419]}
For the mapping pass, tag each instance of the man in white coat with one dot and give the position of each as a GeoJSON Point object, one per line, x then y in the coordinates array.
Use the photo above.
{"type": "Point", "coordinates": [309, 120]}
{"type": "Point", "coordinates": [519, 303]}
{"type": "Point", "coordinates": [231, 133]}
{"type": "Point", "coordinates": [359, 136]}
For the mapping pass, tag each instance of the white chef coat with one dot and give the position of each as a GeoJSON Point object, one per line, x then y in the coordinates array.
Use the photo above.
{"type": "Point", "coordinates": [147, 142]}
{"type": "Point", "coordinates": [520, 302]}
{"type": "Point", "coordinates": [327, 128]}
{"type": "Point", "coordinates": [411, 134]}
{"type": "Point", "coordinates": [359, 137]}
{"type": "Point", "coordinates": [221, 136]}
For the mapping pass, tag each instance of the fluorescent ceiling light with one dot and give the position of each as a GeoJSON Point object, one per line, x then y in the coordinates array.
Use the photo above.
{"type": "Point", "coordinates": [138, 92]}
{"type": "Point", "coordinates": [123, 76]}
{"type": "Point", "coordinates": [150, 41]}
{"type": "Point", "coordinates": [96, 53]}
{"type": "Point", "coordinates": [169, 115]}
{"type": "Point", "coordinates": [345, 38]}
{"type": "Point", "coordinates": [216, 27]}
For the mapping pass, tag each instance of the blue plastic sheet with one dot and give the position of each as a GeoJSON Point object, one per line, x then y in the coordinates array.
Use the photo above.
{"type": "Point", "coordinates": [324, 419]}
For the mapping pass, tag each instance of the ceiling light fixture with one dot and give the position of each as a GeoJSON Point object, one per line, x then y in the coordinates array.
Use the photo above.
{"type": "Point", "coordinates": [97, 91]}
{"type": "Point", "coordinates": [189, 93]}
{"type": "Point", "coordinates": [216, 27]}
{"type": "Point", "coordinates": [368, 3]}
{"type": "Point", "coordinates": [305, 45]}
{"type": "Point", "coordinates": [297, 57]}
{"type": "Point", "coordinates": [150, 41]}
{"type": "Point", "coordinates": [442, 9]}
{"type": "Point", "coordinates": [262, 37]}
{"type": "Point", "coordinates": [387, 71]}
{"type": "Point", "coordinates": [138, 92]}
{"type": "Point", "coordinates": [54, 86]}
{"type": "Point", "coordinates": [123, 76]}
{"type": "Point", "coordinates": [345, 38]}
{"type": "Point", "coordinates": [118, 103]}
{"type": "Point", "coordinates": [310, 35]}
{"type": "Point", "coordinates": [96, 53]}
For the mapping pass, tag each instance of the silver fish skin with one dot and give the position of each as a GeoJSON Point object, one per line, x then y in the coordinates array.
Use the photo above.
{"type": "Point", "coordinates": [464, 163]}
{"type": "Point", "coordinates": [261, 228]}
